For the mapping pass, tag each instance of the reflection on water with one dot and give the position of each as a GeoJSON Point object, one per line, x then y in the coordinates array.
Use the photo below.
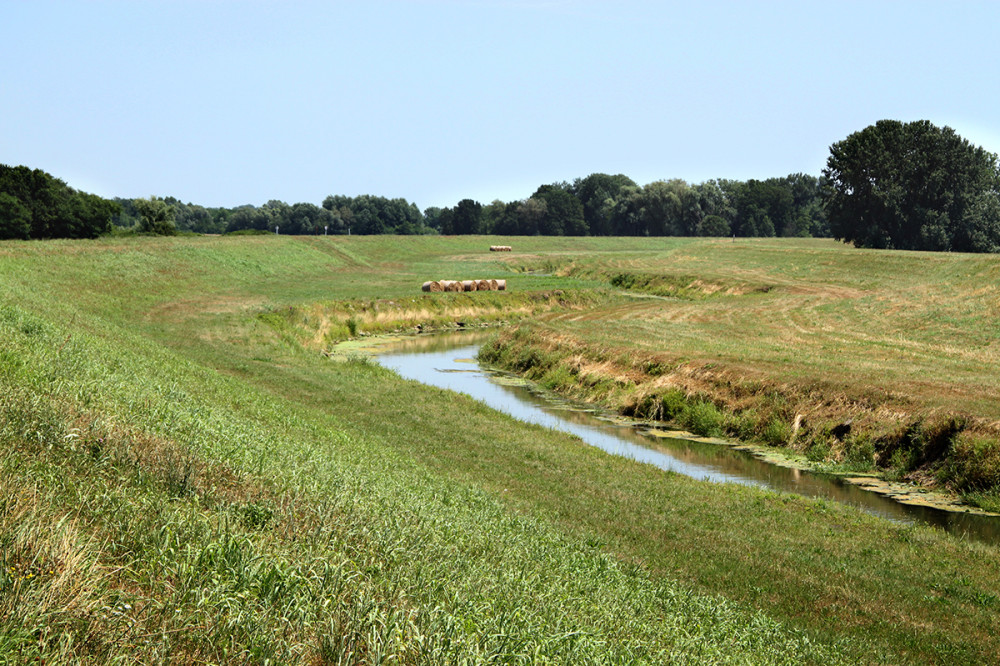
{"type": "Point", "coordinates": [449, 362]}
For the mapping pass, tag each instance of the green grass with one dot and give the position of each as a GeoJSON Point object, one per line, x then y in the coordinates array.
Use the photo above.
{"type": "Point", "coordinates": [185, 478]}
{"type": "Point", "coordinates": [892, 342]}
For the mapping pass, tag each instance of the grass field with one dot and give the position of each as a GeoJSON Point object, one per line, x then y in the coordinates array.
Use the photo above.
{"type": "Point", "coordinates": [187, 479]}
{"type": "Point", "coordinates": [790, 339]}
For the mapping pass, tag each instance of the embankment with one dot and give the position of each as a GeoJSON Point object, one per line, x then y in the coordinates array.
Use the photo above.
{"type": "Point", "coordinates": [832, 427]}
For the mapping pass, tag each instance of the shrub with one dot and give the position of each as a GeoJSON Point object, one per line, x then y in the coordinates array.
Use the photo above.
{"type": "Point", "coordinates": [777, 432]}
{"type": "Point", "coordinates": [673, 404]}
{"type": "Point", "coordinates": [703, 418]}
{"type": "Point", "coordinates": [974, 464]}
{"type": "Point", "coordinates": [818, 451]}
{"type": "Point", "coordinates": [743, 425]}
{"type": "Point", "coordinates": [713, 225]}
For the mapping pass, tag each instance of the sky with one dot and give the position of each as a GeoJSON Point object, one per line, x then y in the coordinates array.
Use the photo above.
{"type": "Point", "coordinates": [225, 102]}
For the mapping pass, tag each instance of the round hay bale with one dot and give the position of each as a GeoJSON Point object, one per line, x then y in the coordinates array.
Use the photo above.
{"type": "Point", "coordinates": [426, 286]}
{"type": "Point", "coordinates": [483, 285]}
{"type": "Point", "coordinates": [433, 285]}
{"type": "Point", "coordinates": [494, 285]}
{"type": "Point", "coordinates": [452, 285]}
{"type": "Point", "coordinates": [469, 285]}
{"type": "Point", "coordinates": [501, 285]}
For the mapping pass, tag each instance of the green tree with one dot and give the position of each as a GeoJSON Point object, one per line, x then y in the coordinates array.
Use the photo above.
{"type": "Point", "coordinates": [912, 186]}
{"type": "Point", "coordinates": [15, 218]}
{"type": "Point", "coordinates": [530, 215]}
{"type": "Point", "coordinates": [468, 217]}
{"type": "Point", "coordinates": [600, 193]}
{"type": "Point", "coordinates": [156, 216]}
{"type": "Point", "coordinates": [432, 217]}
{"type": "Point", "coordinates": [563, 211]}
{"type": "Point", "coordinates": [55, 209]}
{"type": "Point", "coordinates": [763, 208]}
{"type": "Point", "coordinates": [713, 225]}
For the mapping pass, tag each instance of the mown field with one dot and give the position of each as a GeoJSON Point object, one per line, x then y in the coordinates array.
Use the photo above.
{"type": "Point", "coordinates": [188, 479]}
{"type": "Point", "coordinates": [863, 360]}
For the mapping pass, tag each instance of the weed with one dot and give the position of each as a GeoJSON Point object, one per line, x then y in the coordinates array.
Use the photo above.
{"type": "Point", "coordinates": [777, 432]}
{"type": "Point", "coordinates": [352, 326]}
{"type": "Point", "coordinates": [819, 450]}
{"type": "Point", "coordinates": [859, 454]}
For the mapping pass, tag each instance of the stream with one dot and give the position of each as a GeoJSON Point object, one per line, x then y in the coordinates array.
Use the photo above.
{"type": "Point", "coordinates": [449, 362]}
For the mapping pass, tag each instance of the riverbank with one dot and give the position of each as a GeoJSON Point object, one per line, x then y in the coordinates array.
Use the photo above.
{"type": "Point", "coordinates": [899, 491]}
{"type": "Point", "coordinates": [863, 362]}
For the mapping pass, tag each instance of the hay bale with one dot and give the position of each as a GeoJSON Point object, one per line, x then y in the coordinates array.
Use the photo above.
{"type": "Point", "coordinates": [433, 285]}
{"type": "Point", "coordinates": [483, 285]}
{"type": "Point", "coordinates": [501, 285]}
{"type": "Point", "coordinates": [494, 285]}
{"type": "Point", "coordinates": [469, 285]}
{"type": "Point", "coordinates": [451, 285]}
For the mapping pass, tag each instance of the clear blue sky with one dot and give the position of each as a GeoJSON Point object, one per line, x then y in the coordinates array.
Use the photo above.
{"type": "Point", "coordinates": [224, 103]}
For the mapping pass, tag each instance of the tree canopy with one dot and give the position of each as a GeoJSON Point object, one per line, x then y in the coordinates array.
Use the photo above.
{"type": "Point", "coordinates": [598, 205]}
{"type": "Point", "coordinates": [156, 216]}
{"type": "Point", "coordinates": [35, 204]}
{"type": "Point", "coordinates": [606, 205]}
{"type": "Point", "coordinates": [913, 186]}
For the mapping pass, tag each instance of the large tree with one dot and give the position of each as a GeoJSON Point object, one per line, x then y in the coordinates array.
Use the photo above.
{"type": "Point", "coordinates": [156, 216]}
{"type": "Point", "coordinates": [599, 193]}
{"type": "Point", "coordinates": [912, 186]}
{"type": "Point", "coordinates": [467, 217]}
{"type": "Point", "coordinates": [563, 211]}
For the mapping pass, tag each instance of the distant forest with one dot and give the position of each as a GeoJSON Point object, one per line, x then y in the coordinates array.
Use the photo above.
{"type": "Point", "coordinates": [893, 185]}
{"type": "Point", "coordinates": [598, 205]}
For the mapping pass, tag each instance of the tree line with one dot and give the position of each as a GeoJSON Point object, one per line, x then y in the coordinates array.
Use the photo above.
{"type": "Point", "coordinates": [614, 205]}
{"type": "Point", "coordinates": [598, 205]}
{"type": "Point", "coordinates": [892, 185]}
{"type": "Point", "coordinates": [365, 214]}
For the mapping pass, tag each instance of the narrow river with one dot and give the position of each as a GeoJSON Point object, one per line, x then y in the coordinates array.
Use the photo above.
{"type": "Point", "coordinates": [449, 361]}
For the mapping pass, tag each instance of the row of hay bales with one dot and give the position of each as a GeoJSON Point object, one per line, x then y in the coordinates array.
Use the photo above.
{"type": "Point", "coordinates": [465, 285]}
{"type": "Point", "coordinates": [499, 248]}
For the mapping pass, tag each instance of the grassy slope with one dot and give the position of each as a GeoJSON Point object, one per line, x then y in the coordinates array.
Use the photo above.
{"type": "Point", "coordinates": [922, 325]}
{"type": "Point", "coordinates": [884, 339]}
{"type": "Point", "coordinates": [166, 451]}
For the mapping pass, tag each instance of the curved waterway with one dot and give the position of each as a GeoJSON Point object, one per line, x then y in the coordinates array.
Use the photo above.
{"type": "Point", "coordinates": [449, 361]}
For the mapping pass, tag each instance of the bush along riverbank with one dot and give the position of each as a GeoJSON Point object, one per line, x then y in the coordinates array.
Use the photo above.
{"type": "Point", "coordinates": [830, 429]}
